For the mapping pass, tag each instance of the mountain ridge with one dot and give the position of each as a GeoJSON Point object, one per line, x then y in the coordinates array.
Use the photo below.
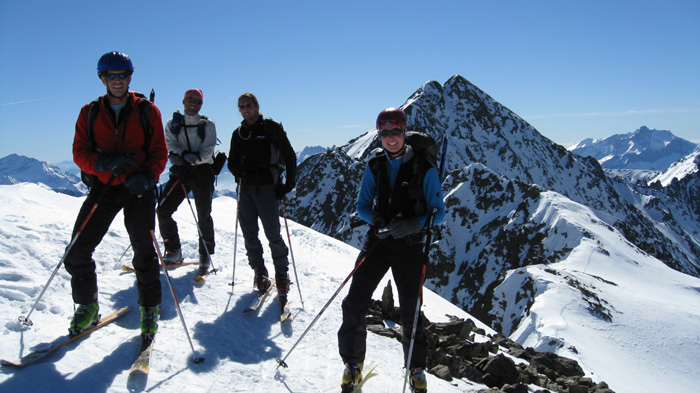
{"type": "Point", "coordinates": [19, 169]}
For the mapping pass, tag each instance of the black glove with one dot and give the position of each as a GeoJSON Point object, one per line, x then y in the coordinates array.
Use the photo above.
{"type": "Point", "coordinates": [117, 164]}
{"type": "Point", "coordinates": [177, 122]}
{"type": "Point", "coordinates": [400, 228]}
{"type": "Point", "coordinates": [282, 189]}
{"type": "Point", "coordinates": [190, 157]}
{"type": "Point", "coordinates": [177, 171]}
{"type": "Point", "coordinates": [378, 220]}
{"type": "Point", "coordinates": [236, 170]}
{"type": "Point", "coordinates": [175, 159]}
{"type": "Point", "coordinates": [139, 182]}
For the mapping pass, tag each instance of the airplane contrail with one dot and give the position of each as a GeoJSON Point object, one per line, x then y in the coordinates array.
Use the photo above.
{"type": "Point", "coordinates": [26, 101]}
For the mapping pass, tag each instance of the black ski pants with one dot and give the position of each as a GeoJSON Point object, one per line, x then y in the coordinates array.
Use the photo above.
{"type": "Point", "coordinates": [260, 203]}
{"type": "Point", "coordinates": [200, 180]}
{"type": "Point", "coordinates": [405, 261]}
{"type": "Point", "coordinates": [139, 219]}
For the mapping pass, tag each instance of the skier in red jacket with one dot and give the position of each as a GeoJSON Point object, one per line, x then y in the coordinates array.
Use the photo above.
{"type": "Point", "coordinates": [120, 146]}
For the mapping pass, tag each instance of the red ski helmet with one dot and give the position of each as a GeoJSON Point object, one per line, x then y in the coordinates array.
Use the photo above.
{"type": "Point", "coordinates": [391, 118]}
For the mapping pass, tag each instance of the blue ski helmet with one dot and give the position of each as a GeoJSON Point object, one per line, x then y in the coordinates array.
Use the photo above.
{"type": "Point", "coordinates": [114, 61]}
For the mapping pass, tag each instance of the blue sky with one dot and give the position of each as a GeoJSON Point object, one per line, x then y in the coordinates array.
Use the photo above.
{"type": "Point", "coordinates": [325, 69]}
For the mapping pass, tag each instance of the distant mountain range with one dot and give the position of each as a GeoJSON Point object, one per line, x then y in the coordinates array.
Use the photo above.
{"type": "Point", "coordinates": [645, 149]}
{"type": "Point", "coordinates": [308, 152]}
{"type": "Point", "coordinates": [20, 169]}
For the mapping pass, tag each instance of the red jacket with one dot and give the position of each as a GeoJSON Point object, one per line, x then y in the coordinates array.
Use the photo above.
{"type": "Point", "coordinates": [126, 138]}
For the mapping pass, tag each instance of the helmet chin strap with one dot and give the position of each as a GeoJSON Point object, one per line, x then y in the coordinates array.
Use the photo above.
{"type": "Point", "coordinates": [399, 152]}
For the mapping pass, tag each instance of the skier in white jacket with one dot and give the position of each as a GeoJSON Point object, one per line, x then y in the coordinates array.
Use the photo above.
{"type": "Point", "coordinates": [191, 140]}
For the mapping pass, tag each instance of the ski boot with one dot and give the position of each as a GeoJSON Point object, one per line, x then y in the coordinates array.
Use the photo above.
{"type": "Point", "coordinates": [352, 375]}
{"type": "Point", "coordinates": [85, 316]}
{"type": "Point", "coordinates": [149, 321]}
{"type": "Point", "coordinates": [261, 281]}
{"type": "Point", "coordinates": [417, 380]}
{"type": "Point", "coordinates": [172, 257]}
{"type": "Point", "coordinates": [204, 263]}
{"type": "Point", "coordinates": [282, 283]}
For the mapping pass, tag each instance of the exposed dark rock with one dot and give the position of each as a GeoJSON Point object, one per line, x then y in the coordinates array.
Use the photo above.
{"type": "Point", "coordinates": [497, 362]}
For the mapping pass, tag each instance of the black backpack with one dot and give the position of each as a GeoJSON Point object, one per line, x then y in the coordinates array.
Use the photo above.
{"type": "Point", "coordinates": [145, 113]}
{"type": "Point", "coordinates": [424, 145]}
{"type": "Point", "coordinates": [425, 148]}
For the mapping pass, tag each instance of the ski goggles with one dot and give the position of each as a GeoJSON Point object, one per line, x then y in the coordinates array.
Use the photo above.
{"type": "Point", "coordinates": [121, 75]}
{"type": "Point", "coordinates": [194, 101]}
{"type": "Point", "coordinates": [393, 131]}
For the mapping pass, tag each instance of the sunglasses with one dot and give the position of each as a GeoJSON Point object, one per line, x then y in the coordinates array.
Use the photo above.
{"type": "Point", "coordinates": [194, 101]}
{"type": "Point", "coordinates": [393, 131]}
{"type": "Point", "coordinates": [246, 106]}
{"type": "Point", "coordinates": [121, 75]}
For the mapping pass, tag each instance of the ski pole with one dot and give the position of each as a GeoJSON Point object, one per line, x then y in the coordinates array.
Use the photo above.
{"type": "Point", "coordinates": [419, 300]}
{"type": "Point", "coordinates": [167, 194]}
{"type": "Point", "coordinates": [195, 359]}
{"type": "Point", "coordinates": [201, 236]}
{"type": "Point", "coordinates": [159, 202]}
{"type": "Point", "coordinates": [124, 253]}
{"type": "Point", "coordinates": [25, 320]}
{"type": "Point", "coordinates": [291, 252]}
{"type": "Point", "coordinates": [235, 233]}
{"type": "Point", "coordinates": [281, 362]}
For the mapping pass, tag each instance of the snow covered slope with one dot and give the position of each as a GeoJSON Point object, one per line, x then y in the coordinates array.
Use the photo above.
{"type": "Point", "coordinates": [239, 349]}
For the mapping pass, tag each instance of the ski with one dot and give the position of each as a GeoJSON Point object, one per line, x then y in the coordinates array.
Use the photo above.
{"type": "Point", "coordinates": [285, 313]}
{"type": "Point", "coordinates": [41, 353]}
{"type": "Point", "coordinates": [143, 360]}
{"type": "Point", "coordinates": [200, 278]}
{"type": "Point", "coordinates": [367, 373]}
{"type": "Point", "coordinates": [130, 269]}
{"type": "Point", "coordinates": [255, 304]}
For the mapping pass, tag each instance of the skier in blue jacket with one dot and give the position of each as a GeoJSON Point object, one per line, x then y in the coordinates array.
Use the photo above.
{"type": "Point", "coordinates": [398, 216]}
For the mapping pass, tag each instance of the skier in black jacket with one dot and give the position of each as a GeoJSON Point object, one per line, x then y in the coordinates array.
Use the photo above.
{"type": "Point", "coordinates": [260, 153]}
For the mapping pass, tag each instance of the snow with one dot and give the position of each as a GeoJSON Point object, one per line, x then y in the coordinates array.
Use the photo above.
{"type": "Point", "coordinates": [356, 149]}
{"type": "Point", "coordinates": [652, 340]}
{"type": "Point", "coordinates": [238, 349]}
{"type": "Point", "coordinates": [679, 169]}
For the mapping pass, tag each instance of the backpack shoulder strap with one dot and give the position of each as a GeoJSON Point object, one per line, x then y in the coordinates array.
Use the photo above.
{"type": "Point", "coordinates": [377, 162]}
{"type": "Point", "coordinates": [270, 134]}
{"type": "Point", "coordinates": [93, 110]}
{"type": "Point", "coordinates": [145, 113]}
{"type": "Point", "coordinates": [201, 127]}
{"type": "Point", "coordinates": [421, 164]}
